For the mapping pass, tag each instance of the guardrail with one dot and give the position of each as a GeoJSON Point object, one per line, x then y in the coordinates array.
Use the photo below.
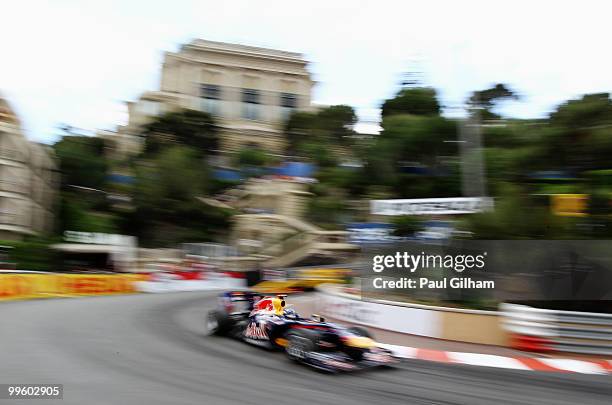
{"type": "Point", "coordinates": [564, 331]}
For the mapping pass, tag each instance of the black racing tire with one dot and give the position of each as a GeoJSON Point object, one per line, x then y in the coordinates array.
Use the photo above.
{"type": "Point", "coordinates": [360, 331]}
{"type": "Point", "coordinates": [299, 344]}
{"type": "Point", "coordinates": [218, 323]}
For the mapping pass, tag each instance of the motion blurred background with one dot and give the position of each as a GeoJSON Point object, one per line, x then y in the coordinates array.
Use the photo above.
{"type": "Point", "coordinates": [197, 136]}
{"type": "Point", "coordinates": [205, 145]}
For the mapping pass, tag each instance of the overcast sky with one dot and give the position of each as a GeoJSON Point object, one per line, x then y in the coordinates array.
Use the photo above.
{"type": "Point", "coordinates": [77, 61]}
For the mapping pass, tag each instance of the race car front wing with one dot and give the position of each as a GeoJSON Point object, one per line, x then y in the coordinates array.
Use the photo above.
{"type": "Point", "coordinates": [339, 361]}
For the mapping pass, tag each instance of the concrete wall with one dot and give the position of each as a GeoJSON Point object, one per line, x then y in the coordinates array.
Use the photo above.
{"type": "Point", "coordinates": [454, 324]}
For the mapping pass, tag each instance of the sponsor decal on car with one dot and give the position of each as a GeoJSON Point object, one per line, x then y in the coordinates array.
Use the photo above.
{"type": "Point", "coordinates": [254, 331]}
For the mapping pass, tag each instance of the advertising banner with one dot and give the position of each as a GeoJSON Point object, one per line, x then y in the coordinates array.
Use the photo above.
{"type": "Point", "coordinates": [371, 232]}
{"type": "Point", "coordinates": [415, 321]}
{"type": "Point", "coordinates": [28, 286]}
{"type": "Point", "coordinates": [569, 205]}
{"type": "Point", "coordinates": [432, 206]}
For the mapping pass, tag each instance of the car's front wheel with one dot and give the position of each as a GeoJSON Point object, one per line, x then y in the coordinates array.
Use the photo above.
{"type": "Point", "coordinates": [361, 331]}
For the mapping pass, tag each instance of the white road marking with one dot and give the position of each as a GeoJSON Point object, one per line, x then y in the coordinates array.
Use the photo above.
{"type": "Point", "coordinates": [577, 366]}
{"type": "Point", "coordinates": [486, 360]}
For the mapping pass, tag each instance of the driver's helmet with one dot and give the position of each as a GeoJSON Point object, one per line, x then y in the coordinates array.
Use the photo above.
{"type": "Point", "coordinates": [278, 306]}
{"type": "Point", "coordinates": [290, 313]}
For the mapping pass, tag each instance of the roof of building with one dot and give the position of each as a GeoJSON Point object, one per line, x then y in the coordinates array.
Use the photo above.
{"type": "Point", "coordinates": [7, 114]}
{"type": "Point", "coordinates": [243, 49]}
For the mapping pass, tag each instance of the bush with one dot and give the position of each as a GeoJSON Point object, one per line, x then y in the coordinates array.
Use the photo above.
{"type": "Point", "coordinates": [252, 157]}
{"type": "Point", "coordinates": [33, 254]}
{"type": "Point", "coordinates": [406, 225]}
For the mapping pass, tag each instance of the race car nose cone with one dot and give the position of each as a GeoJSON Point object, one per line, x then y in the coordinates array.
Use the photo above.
{"type": "Point", "coordinates": [360, 342]}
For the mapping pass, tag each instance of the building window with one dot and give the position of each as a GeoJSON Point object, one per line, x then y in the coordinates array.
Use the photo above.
{"type": "Point", "coordinates": [288, 103]}
{"type": "Point", "coordinates": [211, 106]}
{"type": "Point", "coordinates": [250, 96]}
{"type": "Point", "coordinates": [250, 104]}
{"type": "Point", "coordinates": [211, 91]}
{"type": "Point", "coordinates": [211, 98]}
{"type": "Point", "coordinates": [288, 100]}
{"type": "Point", "coordinates": [150, 108]}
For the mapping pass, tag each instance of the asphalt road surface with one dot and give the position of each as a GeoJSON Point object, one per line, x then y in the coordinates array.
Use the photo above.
{"type": "Point", "coordinates": [153, 349]}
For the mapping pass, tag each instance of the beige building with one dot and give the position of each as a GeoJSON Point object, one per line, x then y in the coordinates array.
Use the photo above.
{"type": "Point", "coordinates": [251, 91]}
{"type": "Point", "coordinates": [28, 181]}
{"type": "Point", "coordinates": [271, 226]}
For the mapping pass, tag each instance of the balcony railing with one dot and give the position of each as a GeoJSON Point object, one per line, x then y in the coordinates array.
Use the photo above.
{"type": "Point", "coordinates": [12, 154]}
{"type": "Point", "coordinates": [11, 218]}
{"type": "Point", "coordinates": [13, 186]}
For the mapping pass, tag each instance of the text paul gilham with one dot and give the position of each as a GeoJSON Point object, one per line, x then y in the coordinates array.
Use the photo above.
{"type": "Point", "coordinates": [424, 282]}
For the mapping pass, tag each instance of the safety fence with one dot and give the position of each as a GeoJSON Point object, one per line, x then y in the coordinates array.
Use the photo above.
{"type": "Point", "coordinates": [563, 331]}
{"type": "Point", "coordinates": [17, 286]}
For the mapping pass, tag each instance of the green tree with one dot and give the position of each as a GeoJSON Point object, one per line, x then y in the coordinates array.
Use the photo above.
{"type": "Point", "coordinates": [81, 161]}
{"type": "Point", "coordinates": [166, 200]}
{"type": "Point", "coordinates": [514, 151]}
{"type": "Point", "coordinates": [253, 161]}
{"type": "Point", "coordinates": [411, 143]}
{"type": "Point", "coordinates": [517, 216]}
{"type": "Point", "coordinates": [34, 253]}
{"type": "Point", "coordinates": [252, 157]}
{"type": "Point", "coordinates": [343, 178]}
{"type": "Point", "coordinates": [328, 207]}
{"type": "Point", "coordinates": [330, 128]}
{"type": "Point", "coordinates": [320, 153]}
{"type": "Point", "coordinates": [583, 133]}
{"type": "Point", "coordinates": [175, 175]}
{"type": "Point", "coordinates": [299, 128]}
{"type": "Point", "coordinates": [84, 169]}
{"type": "Point", "coordinates": [414, 101]}
{"type": "Point", "coordinates": [486, 100]}
{"type": "Point", "coordinates": [192, 128]}
{"type": "Point", "coordinates": [337, 121]}
{"type": "Point", "coordinates": [585, 113]}
{"type": "Point", "coordinates": [77, 214]}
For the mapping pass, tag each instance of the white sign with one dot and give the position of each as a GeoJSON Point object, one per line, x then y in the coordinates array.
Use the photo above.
{"type": "Point", "coordinates": [95, 238]}
{"type": "Point", "coordinates": [250, 243]}
{"type": "Point", "coordinates": [432, 206]}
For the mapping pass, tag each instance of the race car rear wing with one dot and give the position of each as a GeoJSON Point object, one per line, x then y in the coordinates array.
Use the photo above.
{"type": "Point", "coordinates": [238, 301]}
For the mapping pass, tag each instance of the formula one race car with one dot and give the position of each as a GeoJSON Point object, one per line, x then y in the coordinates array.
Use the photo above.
{"type": "Point", "coordinates": [267, 321]}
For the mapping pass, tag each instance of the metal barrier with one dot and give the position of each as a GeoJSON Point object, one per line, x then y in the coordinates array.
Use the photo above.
{"type": "Point", "coordinates": [564, 331]}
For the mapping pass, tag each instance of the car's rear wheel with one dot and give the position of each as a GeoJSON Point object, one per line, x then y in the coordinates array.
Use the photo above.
{"type": "Point", "coordinates": [218, 323]}
{"type": "Point", "coordinates": [299, 345]}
